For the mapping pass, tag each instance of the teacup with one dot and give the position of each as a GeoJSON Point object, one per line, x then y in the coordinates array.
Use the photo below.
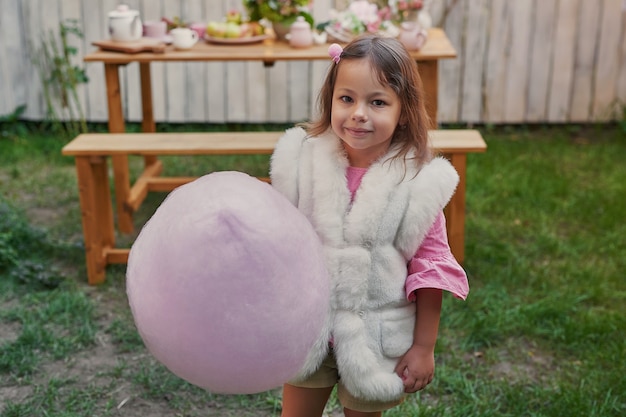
{"type": "Point", "coordinates": [183, 38]}
{"type": "Point", "coordinates": [200, 29]}
{"type": "Point", "coordinates": [156, 29]}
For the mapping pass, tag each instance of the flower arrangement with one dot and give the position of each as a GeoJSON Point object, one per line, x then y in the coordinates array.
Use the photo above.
{"type": "Point", "coordinates": [408, 9]}
{"type": "Point", "coordinates": [278, 11]}
{"type": "Point", "coordinates": [361, 16]}
{"type": "Point", "coordinates": [374, 16]}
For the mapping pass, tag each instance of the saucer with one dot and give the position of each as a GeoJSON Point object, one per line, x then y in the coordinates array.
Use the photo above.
{"type": "Point", "coordinates": [167, 39]}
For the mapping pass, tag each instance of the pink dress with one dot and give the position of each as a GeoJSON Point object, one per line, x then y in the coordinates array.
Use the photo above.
{"type": "Point", "coordinates": [433, 266]}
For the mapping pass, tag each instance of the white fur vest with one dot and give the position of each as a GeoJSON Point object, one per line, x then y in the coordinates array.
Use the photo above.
{"type": "Point", "coordinates": [367, 245]}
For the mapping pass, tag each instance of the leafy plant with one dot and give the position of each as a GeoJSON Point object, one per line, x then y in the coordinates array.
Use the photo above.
{"type": "Point", "coordinates": [61, 77]}
{"type": "Point", "coordinates": [20, 247]}
{"type": "Point", "coordinates": [11, 126]}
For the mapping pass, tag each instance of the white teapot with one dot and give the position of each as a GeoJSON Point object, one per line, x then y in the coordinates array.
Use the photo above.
{"type": "Point", "coordinates": [125, 24]}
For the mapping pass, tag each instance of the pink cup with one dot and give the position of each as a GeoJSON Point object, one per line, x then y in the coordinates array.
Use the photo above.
{"type": "Point", "coordinates": [199, 28]}
{"type": "Point", "coordinates": [155, 29]}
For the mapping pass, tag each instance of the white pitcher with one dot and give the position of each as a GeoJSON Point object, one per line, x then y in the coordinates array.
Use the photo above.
{"type": "Point", "coordinates": [125, 24]}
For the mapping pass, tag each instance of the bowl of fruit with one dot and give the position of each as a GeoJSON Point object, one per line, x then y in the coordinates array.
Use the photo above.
{"type": "Point", "coordinates": [234, 30]}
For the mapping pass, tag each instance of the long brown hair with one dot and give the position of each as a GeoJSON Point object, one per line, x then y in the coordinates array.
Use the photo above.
{"type": "Point", "coordinates": [394, 67]}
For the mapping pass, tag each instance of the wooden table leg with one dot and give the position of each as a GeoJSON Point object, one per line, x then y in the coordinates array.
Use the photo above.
{"type": "Point", "coordinates": [455, 210]}
{"type": "Point", "coordinates": [96, 214]}
{"type": "Point", "coordinates": [120, 162]}
{"type": "Point", "coordinates": [429, 74]}
{"type": "Point", "coordinates": [147, 124]}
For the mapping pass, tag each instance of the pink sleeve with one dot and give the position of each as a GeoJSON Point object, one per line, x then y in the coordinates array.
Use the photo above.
{"type": "Point", "coordinates": [434, 266]}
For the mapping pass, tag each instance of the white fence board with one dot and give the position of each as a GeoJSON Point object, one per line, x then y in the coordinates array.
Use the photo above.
{"type": "Point", "coordinates": [450, 69]}
{"type": "Point", "coordinates": [517, 74]}
{"type": "Point", "coordinates": [621, 83]}
{"type": "Point", "coordinates": [608, 60]}
{"type": "Point", "coordinates": [10, 33]}
{"type": "Point", "coordinates": [473, 56]}
{"type": "Point", "coordinates": [563, 64]}
{"type": "Point", "coordinates": [498, 51]}
{"type": "Point", "coordinates": [540, 59]}
{"type": "Point", "coordinates": [586, 47]}
{"type": "Point", "coordinates": [518, 62]}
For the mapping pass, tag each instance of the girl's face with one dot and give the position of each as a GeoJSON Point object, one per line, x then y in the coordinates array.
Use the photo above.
{"type": "Point", "coordinates": [364, 113]}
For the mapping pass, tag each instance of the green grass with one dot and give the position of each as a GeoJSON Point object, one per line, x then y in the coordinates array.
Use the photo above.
{"type": "Point", "coordinates": [541, 334]}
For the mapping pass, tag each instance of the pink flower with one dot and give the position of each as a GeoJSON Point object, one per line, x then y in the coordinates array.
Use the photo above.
{"type": "Point", "coordinates": [365, 11]}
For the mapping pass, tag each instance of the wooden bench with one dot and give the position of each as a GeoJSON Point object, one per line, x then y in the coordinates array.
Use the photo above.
{"type": "Point", "coordinates": [92, 150]}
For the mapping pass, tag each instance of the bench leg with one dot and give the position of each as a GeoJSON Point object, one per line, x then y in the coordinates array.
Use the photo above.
{"type": "Point", "coordinates": [96, 214]}
{"type": "Point", "coordinates": [455, 210]}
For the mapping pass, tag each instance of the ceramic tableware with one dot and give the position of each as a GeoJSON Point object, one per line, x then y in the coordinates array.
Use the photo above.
{"type": "Point", "coordinates": [412, 36]}
{"type": "Point", "coordinates": [125, 24]}
{"type": "Point", "coordinates": [183, 38]}
{"type": "Point", "coordinates": [300, 34]}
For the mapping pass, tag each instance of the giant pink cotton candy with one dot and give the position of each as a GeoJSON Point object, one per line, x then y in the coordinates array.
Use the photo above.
{"type": "Point", "coordinates": [227, 284]}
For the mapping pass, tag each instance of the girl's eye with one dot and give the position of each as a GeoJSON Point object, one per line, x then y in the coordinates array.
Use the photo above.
{"type": "Point", "coordinates": [378, 103]}
{"type": "Point", "coordinates": [345, 99]}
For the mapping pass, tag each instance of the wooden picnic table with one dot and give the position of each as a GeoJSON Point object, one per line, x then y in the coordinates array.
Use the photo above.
{"type": "Point", "coordinates": [268, 52]}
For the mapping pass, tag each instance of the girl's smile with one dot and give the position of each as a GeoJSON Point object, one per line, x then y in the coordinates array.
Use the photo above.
{"type": "Point", "coordinates": [365, 113]}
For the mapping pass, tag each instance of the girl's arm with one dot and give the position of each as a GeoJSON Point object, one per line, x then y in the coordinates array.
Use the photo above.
{"type": "Point", "coordinates": [417, 366]}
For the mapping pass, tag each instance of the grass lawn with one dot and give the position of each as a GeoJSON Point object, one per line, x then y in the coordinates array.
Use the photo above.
{"type": "Point", "coordinates": [543, 332]}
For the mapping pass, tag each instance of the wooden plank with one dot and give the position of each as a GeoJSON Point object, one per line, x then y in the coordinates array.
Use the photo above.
{"type": "Point", "coordinates": [608, 63]}
{"type": "Point", "coordinates": [541, 51]}
{"type": "Point", "coordinates": [195, 73]}
{"type": "Point", "coordinates": [236, 91]}
{"type": "Point", "coordinates": [473, 56]}
{"type": "Point", "coordinates": [72, 9]}
{"type": "Point", "coordinates": [223, 143]}
{"type": "Point", "coordinates": [175, 83]}
{"type": "Point", "coordinates": [173, 143]}
{"type": "Point", "coordinates": [586, 47]}
{"type": "Point", "coordinates": [563, 61]}
{"type": "Point", "coordinates": [34, 31]}
{"type": "Point", "coordinates": [298, 91]}
{"type": "Point", "coordinates": [257, 101]}
{"type": "Point", "coordinates": [216, 72]}
{"type": "Point", "coordinates": [13, 61]}
{"type": "Point", "coordinates": [277, 93]}
{"type": "Point", "coordinates": [438, 47]}
{"type": "Point", "coordinates": [497, 61]}
{"type": "Point", "coordinates": [516, 80]}
{"type": "Point", "coordinates": [450, 71]}
{"type": "Point", "coordinates": [621, 82]}
{"type": "Point", "coordinates": [153, 10]}
{"type": "Point", "coordinates": [94, 29]}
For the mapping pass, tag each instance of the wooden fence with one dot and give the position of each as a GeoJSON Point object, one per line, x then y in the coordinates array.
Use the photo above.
{"type": "Point", "coordinates": [519, 61]}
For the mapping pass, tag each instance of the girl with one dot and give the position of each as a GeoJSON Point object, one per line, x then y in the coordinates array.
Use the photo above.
{"type": "Point", "coordinates": [364, 176]}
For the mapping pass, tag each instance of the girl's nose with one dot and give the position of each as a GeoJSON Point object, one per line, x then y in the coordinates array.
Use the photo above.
{"type": "Point", "coordinates": [359, 113]}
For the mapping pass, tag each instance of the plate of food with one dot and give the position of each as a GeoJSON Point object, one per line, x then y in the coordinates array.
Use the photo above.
{"type": "Point", "coordinates": [235, 32]}
{"type": "Point", "coordinates": [235, 41]}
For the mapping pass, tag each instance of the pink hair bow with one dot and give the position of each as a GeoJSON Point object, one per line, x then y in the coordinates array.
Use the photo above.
{"type": "Point", "coordinates": [335, 51]}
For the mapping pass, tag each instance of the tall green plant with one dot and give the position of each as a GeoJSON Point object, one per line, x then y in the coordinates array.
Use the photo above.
{"type": "Point", "coordinates": [60, 78]}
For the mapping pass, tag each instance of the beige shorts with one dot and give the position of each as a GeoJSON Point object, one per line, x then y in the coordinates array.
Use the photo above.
{"type": "Point", "coordinates": [327, 376]}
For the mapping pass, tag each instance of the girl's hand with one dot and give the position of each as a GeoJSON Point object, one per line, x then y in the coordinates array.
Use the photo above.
{"type": "Point", "coordinates": [416, 368]}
